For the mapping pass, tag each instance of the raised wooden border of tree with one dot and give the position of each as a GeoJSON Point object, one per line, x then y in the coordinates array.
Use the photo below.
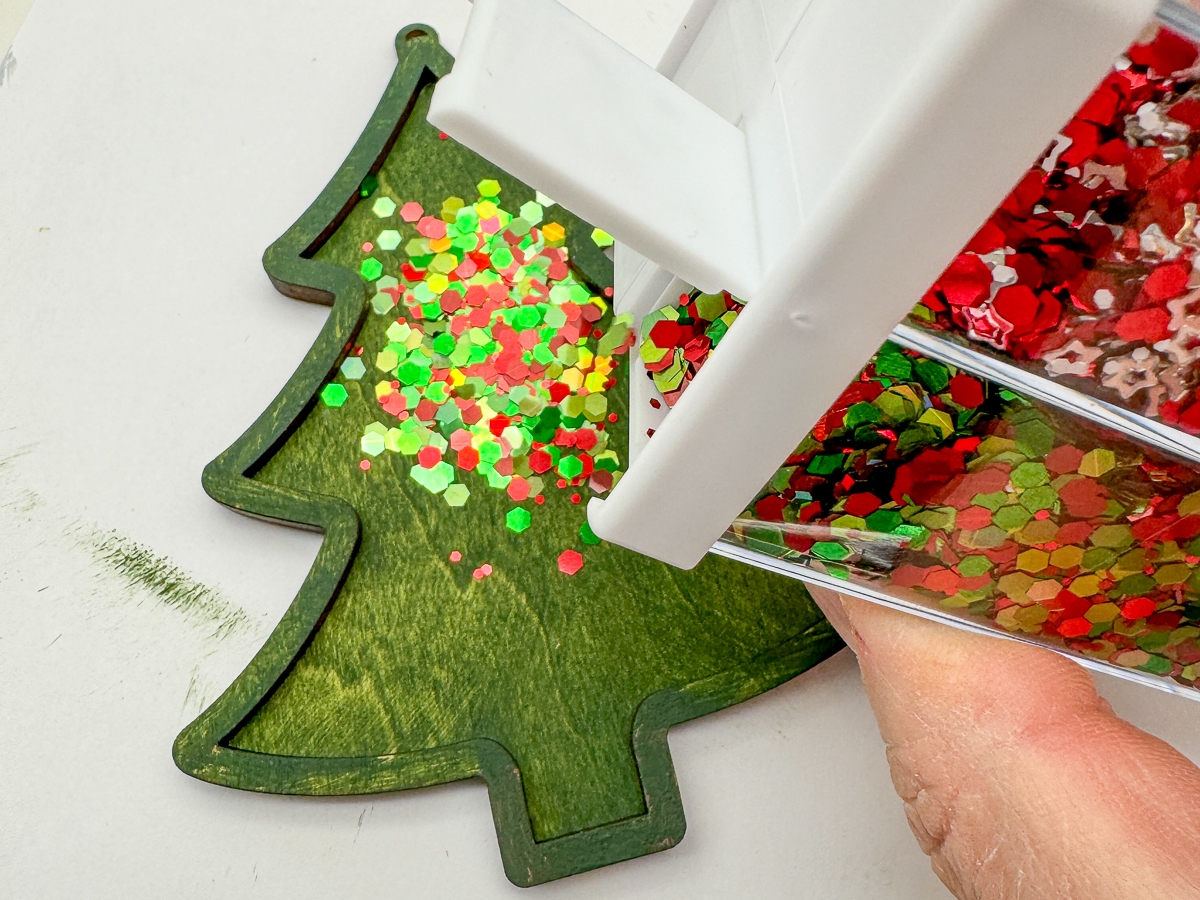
{"type": "Point", "coordinates": [202, 749]}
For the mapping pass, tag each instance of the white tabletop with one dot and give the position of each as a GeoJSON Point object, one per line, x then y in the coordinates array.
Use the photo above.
{"type": "Point", "coordinates": [150, 152]}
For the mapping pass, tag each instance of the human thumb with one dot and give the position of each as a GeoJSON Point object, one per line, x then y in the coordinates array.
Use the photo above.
{"type": "Point", "coordinates": [1017, 778]}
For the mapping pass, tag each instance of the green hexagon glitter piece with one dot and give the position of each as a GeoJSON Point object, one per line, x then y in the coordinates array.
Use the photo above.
{"type": "Point", "coordinates": [601, 238]}
{"type": "Point", "coordinates": [992, 501]}
{"type": "Point", "coordinates": [1098, 558]}
{"type": "Point", "coordinates": [884, 520]}
{"type": "Point", "coordinates": [434, 480]}
{"type": "Point", "coordinates": [987, 538]}
{"type": "Point", "coordinates": [490, 452]}
{"type": "Point", "coordinates": [532, 212]}
{"type": "Point", "coordinates": [444, 263]}
{"type": "Point", "coordinates": [373, 443]}
{"type": "Point", "coordinates": [466, 221]}
{"type": "Point", "coordinates": [489, 187]}
{"type": "Point", "coordinates": [502, 258]}
{"type": "Point", "coordinates": [916, 534]}
{"type": "Point", "coordinates": [570, 467]}
{"type": "Point", "coordinates": [386, 359]}
{"type": "Point", "coordinates": [1035, 438]}
{"type": "Point", "coordinates": [450, 208]}
{"type": "Point", "coordinates": [830, 550]}
{"type": "Point", "coordinates": [1132, 585]}
{"type": "Point", "coordinates": [528, 316]}
{"type": "Point", "coordinates": [587, 535]}
{"type": "Point", "coordinates": [1156, 665]}
{"type": "Point", "coordinates": [456, 495]}
{"type": "Point", "coordinates": [408, 443]}
{"type": "Point", "coordinates": [398, 331]}
{"type": "Point", "coordinates": [494, 478]}
{"type": "Point", "coordinates": [710, 306]}
{"type": "Point", "coordinates": [334, 395]}
{"type": "Point", "coordinates": [1112, 536]}
{"type": "Point", "coordinates": [1011, 518]}
{"type": "Point", "coordinates": [388, 240]}
{"type": "Point", "coordinates": [383, 207]}
{"type": "Point", "coordinates": [412, 373]}
{"type": "Point", "coordinates": [1039, 498]}
{"type": "Point", "coordinates": [595, 406]}
{"type": "Point", "coordinates": [1030, 475]}
{"type": "Point", "coordinates": [974, 566]}
{"type": "Point", "coordinates": [371, 268]}
{"type": "Point", "coordinates": [518, 519]}
{"type": "Point", "coordinates": [353, 368]}
{"type": "Point", "coordinates": [383, 302]}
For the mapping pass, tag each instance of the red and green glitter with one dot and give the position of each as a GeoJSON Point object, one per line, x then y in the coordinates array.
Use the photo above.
{"type": "Point", "coordinates": [498, 360]}
{"type": "Point", "coordinates": [679, 339]}
{"type": "Point", "coordinates": [952, 492]}
{"type": "Point", "coordinates": [1084, 274]}
{"type": "Point", "coordinates": [947, 490]}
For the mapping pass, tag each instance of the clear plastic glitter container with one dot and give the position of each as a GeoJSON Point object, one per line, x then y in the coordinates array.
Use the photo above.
{"type": "Point", "coordinates": [1024, 458]}
{"type": "Point", "coordinates": [934, 490]}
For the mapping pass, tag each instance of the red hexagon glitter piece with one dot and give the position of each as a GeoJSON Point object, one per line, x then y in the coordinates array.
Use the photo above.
{"type": "Point", "coordinates": [1138, 608]}
{"type": "Point", "coordinates": [967, 281]}
{"type": "Point", "coordinates": [1074, 627]}
{"type": "Point", "coordinates": [966, 391]}
{"type": "Point", "coordinates": [570, 562]}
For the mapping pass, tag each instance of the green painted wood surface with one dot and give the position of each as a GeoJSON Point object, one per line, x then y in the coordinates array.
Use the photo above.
{"type": "Point", "coordinates": [395, 668]}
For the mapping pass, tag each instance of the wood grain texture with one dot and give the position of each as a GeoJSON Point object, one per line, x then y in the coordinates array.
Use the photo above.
{"type": "Point", "coordinates": [394, 668]}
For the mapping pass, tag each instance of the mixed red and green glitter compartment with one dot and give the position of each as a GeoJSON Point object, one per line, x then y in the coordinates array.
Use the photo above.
{"type": "Point", "coordinates": [940, 488]}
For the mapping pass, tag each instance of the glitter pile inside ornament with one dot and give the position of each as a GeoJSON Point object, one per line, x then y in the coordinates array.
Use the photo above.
{"type": "Point", "coordinates": [496, 362]}
{"type": "Point", "coordinates": [1084, 274]}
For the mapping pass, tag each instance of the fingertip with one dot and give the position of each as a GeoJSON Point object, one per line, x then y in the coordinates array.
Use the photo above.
{"type": "Point", "coordinates": [831, 604]}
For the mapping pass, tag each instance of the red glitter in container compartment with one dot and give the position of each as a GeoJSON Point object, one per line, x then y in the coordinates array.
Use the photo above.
{"type": "Point", "coordinates": [1084, 274]}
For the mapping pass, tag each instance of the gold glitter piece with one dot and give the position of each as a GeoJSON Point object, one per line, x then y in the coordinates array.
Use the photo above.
{"type": "Point", "coordinates": [1033, 560]}
{"type": "Point", "coordinates": [1096, 462]}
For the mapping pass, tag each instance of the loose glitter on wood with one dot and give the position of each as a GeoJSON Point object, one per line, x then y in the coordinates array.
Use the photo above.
{"type": "Point", "coordinates": [496, 361]}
